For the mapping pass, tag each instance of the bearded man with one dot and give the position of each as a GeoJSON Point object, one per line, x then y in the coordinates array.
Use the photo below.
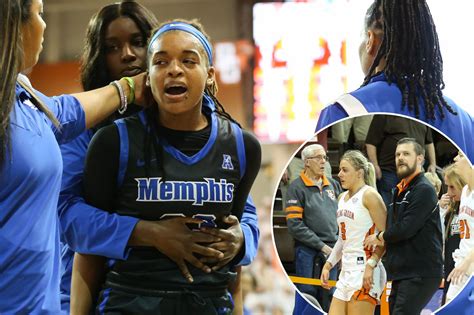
{"type": "Point", "coordinates": [413, 236]}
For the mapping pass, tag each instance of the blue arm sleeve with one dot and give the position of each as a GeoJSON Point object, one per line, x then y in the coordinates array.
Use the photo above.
{"type": "Point", "coordinates": [249, 225]}
{"type": "Point", "coordinates": [84, 228]}
{"type": "Point", "coordinates": [330, 115]}
{"type": "Point", "coordinates": [69, 113]}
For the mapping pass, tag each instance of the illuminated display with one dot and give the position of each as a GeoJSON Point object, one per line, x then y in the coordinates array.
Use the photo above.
{"type": "Point", "coordinates": [301, 65]}
{"type": "Point", "coordinates": [306, 55]}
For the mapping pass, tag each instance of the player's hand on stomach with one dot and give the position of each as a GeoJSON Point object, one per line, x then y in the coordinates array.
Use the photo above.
{"type": "Point", "coordinates": [231, 241]}
{"type": "Point", "coordinates": [175, 239]}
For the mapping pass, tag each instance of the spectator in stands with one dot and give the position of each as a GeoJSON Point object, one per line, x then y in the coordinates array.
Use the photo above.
{"type": "Point", "coordinates": [311, 205]}
{"type": "Point", "coordinates": [434, 180]}
{"type": "Point", "coordinates": [381, 142]}
{"type": "Point", "coordinates": [450, 204]}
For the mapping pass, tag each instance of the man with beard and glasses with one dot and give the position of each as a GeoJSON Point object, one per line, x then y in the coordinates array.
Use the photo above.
{"type": "Point", "coordinates": [413, 237]}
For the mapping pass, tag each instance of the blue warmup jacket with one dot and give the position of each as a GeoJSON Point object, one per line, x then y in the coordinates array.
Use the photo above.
{"type": "Point", "coordinates": [89, 230]}
{"type": "Point", "coordinates": [379, 97]}
{"type": "Point", "coordinates": [30, 181]}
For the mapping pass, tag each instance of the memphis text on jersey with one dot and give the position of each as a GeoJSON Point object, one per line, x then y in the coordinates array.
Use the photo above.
{"type": "Point", "coordinates": [210, 190]}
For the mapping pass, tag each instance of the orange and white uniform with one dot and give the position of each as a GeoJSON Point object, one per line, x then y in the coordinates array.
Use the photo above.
{"type": "Point", "coordinates": [466, 229]}
{"type": "Point", "coordinates": [355, 224]}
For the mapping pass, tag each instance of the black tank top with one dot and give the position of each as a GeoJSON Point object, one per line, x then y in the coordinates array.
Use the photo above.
{"type": "Point", "coordinates": [201, 185]}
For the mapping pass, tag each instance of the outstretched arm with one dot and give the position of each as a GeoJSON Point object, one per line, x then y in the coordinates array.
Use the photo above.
{"type": "Point", "coordinates": [98, 104]}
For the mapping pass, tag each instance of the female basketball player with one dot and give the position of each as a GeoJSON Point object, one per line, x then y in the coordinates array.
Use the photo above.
{"type": "Point", "coordinates": [115, 46]}
{"type": "Point", "coordinates": [450, 201]}
{"type": "Point", "coordinates": [360, 211]}
{"type": "Point", "coordinates": [183, 157]}
{"type": "Point", "coordinates": [401, 59]}
{"type": "Point", "coordinates": [464, 255]}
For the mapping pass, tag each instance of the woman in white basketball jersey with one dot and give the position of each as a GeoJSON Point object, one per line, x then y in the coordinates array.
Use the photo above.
{"type": "Point", "coordinates": [464, 255]}
{"type": "Point", "coordinates": [360, 212]}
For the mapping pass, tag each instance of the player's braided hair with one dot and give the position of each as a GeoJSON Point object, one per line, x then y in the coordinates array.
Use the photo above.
{"type": "Point", "coordinates": [151, 142]}
{"type": "Point", "coordinates": [411, 49]}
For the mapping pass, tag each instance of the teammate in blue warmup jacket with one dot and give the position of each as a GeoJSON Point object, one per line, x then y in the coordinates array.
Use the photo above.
{"type": "Point", "coordinates": [401, 59]}
{"type": "Point", "coordinates": [116, 47]}
{"type": "Point", "coordinates": [31, 126]}
{"type": "Point", "coordinates": [184, 157]}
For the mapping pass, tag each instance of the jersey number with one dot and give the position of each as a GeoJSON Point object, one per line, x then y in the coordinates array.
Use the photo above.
{"type": "Point", "coordinates": [464, 229]}
{"type": "Point", "coordinates": [343, 230]}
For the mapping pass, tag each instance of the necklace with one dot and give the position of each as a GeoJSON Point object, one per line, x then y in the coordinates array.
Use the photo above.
{"type": "Point", "coordinates": [355, 193]}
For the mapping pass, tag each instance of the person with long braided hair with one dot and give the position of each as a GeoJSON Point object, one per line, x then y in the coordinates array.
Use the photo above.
{"type": "Point", "coordinates": [115, 46]}
{"type": "Point", "coordinates": [401, 59]}
{"type": "Point", "coordinates": [184, 156]}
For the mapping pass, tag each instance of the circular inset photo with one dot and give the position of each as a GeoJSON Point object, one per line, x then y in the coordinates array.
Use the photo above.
{"type": "Point", "coordinates": [375, 217]}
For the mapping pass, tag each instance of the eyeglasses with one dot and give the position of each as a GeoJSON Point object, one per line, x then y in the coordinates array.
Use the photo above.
{"type": "Point", "coordinates": [318, 158]}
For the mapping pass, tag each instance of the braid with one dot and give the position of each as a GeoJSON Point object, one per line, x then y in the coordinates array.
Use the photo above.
{"type": "Point", "coordinates": [220, 110]}
{"type": "Point", "coordinates": [151, 142]}
{"type": "Point", "coordinates": [147, 141]}
{"type": "Point", "coordinates": [410, 47]}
